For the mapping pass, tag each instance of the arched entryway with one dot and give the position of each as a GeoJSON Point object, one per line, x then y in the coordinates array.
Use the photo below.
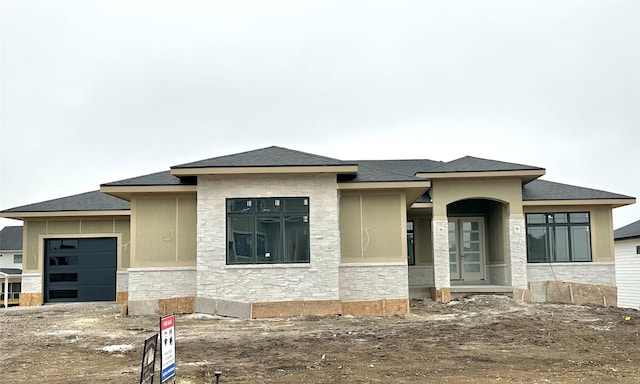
{"type": "Point", "coordinates": [476, 241]}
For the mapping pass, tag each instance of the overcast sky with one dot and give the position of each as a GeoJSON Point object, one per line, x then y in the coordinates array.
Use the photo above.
{"type": "Point", "coordinates": [98, 91]}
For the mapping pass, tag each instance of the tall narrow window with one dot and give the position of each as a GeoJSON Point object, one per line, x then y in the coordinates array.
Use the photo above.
{"type": "Point", "coordinates": [411, 249]}
{"type": "Point", "coordinates": [268, 230]}
{"type": "Point", "coordinates": [558, 237]}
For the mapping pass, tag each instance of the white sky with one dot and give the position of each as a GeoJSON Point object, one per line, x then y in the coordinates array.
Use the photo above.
{"type": "Point", "coordinates": [97, 91]}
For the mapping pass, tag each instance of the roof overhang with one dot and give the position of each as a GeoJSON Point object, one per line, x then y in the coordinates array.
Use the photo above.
{"type": "Point", "coordinates": [615, 203]}
{"type": "Point", "coordinates": [412, 189]}
{"type": "Point", "coordinates": [341, 169]}
{"type": "Point", "coordinates": [27, 215]}
{"type": "Point", "coordinates": [422, 205]}
{"type": "Point", "coordinates": [525, 175]}
{"type": "Point", "coordinates": [125, 192]}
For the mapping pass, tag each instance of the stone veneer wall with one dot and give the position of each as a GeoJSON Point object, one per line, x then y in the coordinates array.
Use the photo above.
{"type": "Point", "coordinates": [441, 274]}
{"type": "Point", "coordinates": [122, 281]}
{"type": "Point", "coordinates": [584, 273]}
{"type": "Point", "coordinates": [498, 274]}
{"type": "Point", "coordinates": [517, 252]}
{"type": "Point", "coordinates": [155, 283]}
{"type": "Point", "coordinates": [31, 283]}
{"type": "Point", "coordinates": [373, 281]}
{"type": "Point", "coordinates": [420, 276]}
{"type": "Point", "coordinates": [317, 280]}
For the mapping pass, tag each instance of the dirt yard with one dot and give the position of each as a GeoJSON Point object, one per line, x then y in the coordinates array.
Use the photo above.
{"type": "Point", "coordinates": [473, 340]}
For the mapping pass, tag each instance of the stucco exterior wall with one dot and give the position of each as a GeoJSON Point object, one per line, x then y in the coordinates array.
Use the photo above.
{"type": "Point", "coordinates": [164, 229]}
{"type": "Point", "coordinates": [373, 227]}
{"type": "Point", "coordinates": [422, 239]}
{"type": "Point", "coordinates": [38, 229]}
{"type": "Point", "coordinates": [508, 191]}
{"type": "Point", "coordinates": [317, 280]}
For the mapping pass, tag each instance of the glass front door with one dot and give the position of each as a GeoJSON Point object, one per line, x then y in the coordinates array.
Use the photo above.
{"type": "Point", "coordinates": [466, 249]}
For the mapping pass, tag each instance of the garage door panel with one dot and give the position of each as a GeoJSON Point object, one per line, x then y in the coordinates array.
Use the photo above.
{"type": "Point", "coordinates": [81, 293]}
{"type": "Point", "coordinates": [86, 277]}
{"type": "Point", "coordinates": [81, 269]}
{"type": "Point", "coordinates": [81, 260]}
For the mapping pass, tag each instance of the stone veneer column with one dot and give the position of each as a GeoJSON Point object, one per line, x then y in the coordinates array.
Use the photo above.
{"type": "Point", "coordinates": [441, 274]}
{"type": "Point", "coordinates": [517, 252]}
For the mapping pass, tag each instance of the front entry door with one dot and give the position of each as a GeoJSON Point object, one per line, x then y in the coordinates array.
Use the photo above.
{"type": "Point", "coordinates": [466, 249]}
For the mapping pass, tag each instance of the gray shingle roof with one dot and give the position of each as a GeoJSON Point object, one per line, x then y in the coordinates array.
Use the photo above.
{"type": "Point", "coordinates": [158, 178]}
{"type": "Point", "coordinates": [11, 271]}
{"type": "Point", "coordinates": [548, 190]}
{"type": "Point", "coordinates": [11, 238]}
{"type": "Point", "coordinates": [629, 231]}
{"type": "Point", "coordinates": [89, 201]}
{"type": "Point", "coordinates": [475, 164]}
{"type": "Point", "coordinates": [266, 157]}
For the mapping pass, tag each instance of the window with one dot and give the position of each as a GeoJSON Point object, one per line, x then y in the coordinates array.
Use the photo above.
{"type": "Point", "coordinates": [558, 237]}
{"type": "Point", "coordinates": [268, 230]}
{"type": "Point", "coordinates": [17, 258]}
{"type": "Point", "coordinates": [411, 249]}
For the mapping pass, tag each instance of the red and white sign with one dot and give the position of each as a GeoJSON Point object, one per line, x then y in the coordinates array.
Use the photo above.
{"type": "Point", "coordinates": [168, 347]}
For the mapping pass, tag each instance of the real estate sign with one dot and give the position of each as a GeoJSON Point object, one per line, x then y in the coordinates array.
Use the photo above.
{"type": "Point", "coordinates": [168, 347]}
{"type": "Point", "coordinates": [149, 359]}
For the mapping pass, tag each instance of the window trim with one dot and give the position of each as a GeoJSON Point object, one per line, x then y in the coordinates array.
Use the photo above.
{"type": "Point", "coordinates": [551, 224]}
{"type": "Point", "coordinates": [282, 215]}
{"type": "Point", "coordinates": [411, 252]}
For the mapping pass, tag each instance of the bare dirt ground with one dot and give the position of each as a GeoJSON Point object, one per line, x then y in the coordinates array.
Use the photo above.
{"type": "Point", "coordinates": [482, 339]}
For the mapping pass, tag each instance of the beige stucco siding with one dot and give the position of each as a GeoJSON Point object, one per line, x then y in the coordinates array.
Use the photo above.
{"type": "Point", "coordinates": [372, 227]}
{"type": "Point", "coordinates": [496, 246]}
{"type": "Point", "coordinates": [507, 191]}
{"type": "Point", "coordinates": [601, 227]}
{"type": "Point", "coordinates": [164, 230]}
{"type": "Point", "coordinates": [423, 246]}
{"type": "Point", "coordinates": [38, 230]}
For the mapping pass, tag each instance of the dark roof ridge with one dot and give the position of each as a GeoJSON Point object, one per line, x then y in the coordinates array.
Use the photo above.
{"type": "Point", "coordinates": [271, 156]}
{"type": "Point", "coordinates": [86, 201]}
{"type": "Point", "coordinates": [629, 231]}
{"type": "Point", "coordinates": [537, 190]}
{"type": "Point", "coordinates": [392, 172]}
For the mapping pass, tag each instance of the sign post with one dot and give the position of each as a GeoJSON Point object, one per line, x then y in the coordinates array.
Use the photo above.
{"type": "Point", "coordinates": [168, 348]}
{"type": "Point", "coordinates": [149, 359]}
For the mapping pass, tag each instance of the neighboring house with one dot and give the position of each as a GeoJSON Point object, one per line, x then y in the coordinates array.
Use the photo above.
{"type": "Point", "coordinates": [627, 248]}
{"type": "Point", "coordinates": [278, 232]}
{"type": "Point", "coordinates": [10, 264]}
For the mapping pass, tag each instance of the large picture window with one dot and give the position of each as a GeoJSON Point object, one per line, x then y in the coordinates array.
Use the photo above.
{"type": "Point", "coordinates": [558, 237]}
{"type": "Point", "coordinates": [268, 230]}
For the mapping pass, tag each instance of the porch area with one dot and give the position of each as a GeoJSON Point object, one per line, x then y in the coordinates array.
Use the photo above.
{"type": "Point", "coordinates": [476, 246]}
